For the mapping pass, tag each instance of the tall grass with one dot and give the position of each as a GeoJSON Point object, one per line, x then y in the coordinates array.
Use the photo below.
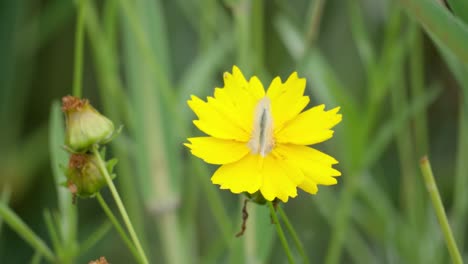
{"type": "Point", "coordinates": [397, 69]}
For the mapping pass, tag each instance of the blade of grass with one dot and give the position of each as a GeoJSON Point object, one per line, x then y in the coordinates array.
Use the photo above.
{"type": "Point", "coordinates": [314, 17]}
{"type": "Point", "coordinates": [417, 88]}
{"type": "Point", "coordinates": [118, 108]}
{"type": "Point", "coordinates": [53, 234]}
{"type": "Point", "coordinates": [25, 232]}
{"type": "Point", "coordinates": [36, 259]}
{"type": "Point", "coordinates": [459, 212]}
{"type": "Point", "coordinates": [157, 169]}
{"type": "Point", "coordinates": [439, 210]}
{"type": "Point", "coordinates": [386, 132]}
{"type": "Point", "coordinates": [355, 244]}
{"type": "Point", "coordinates": [440, 22]}
{"type": "Point", "coordinates": [118, 227]}
{"type": "Point", "coordinates": [95, 237]}
{"type": "Point", "coordinates": [460, 8]}
{"type": "Point", "coordinates": [411, 199]}
{"type": "Point", "coordinates": [360, 36]}
{"type": "Point", "coordinates": [59, 157]}
{"type": "Point", "coordinates": [5, 199]}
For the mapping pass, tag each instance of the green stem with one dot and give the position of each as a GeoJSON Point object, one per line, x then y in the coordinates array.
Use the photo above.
{"type": "Point", "coordinates": [25, 232]}
{"type": "Point", "coordinates": [95, 237]}
{"type": "Point", "coordinates": [293, 233]}
{"type": "Point", "coordinates": [280, 232]}
{"type": "Point", "coordinates": [118, 227]}
{"type": "Point", "coordinates": [78, 67]}
{"type": "Point", "coordinates": [118, 201]}
{"type": "Point", "coordinates": [315, 16]}
{"type": "Point", "coordinates": [439, 209]}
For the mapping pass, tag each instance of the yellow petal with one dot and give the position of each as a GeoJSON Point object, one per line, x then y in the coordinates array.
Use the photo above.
{"type": "Point", "coordinates": [274, 178]}
{"type": "Point", "coordinates": [287, 99]}
{"type": "Point", "coordinates": [279, 179]}
{"type": "Point", "coordinates": [316, 165]}
{"type": "Point", "coordinates": [309, 186]}
{"type": "Point", "coordinates": [217, 151]}
{"type": "Point", "coordinates": [310, 127]}
{"type": "Point", "coordinates": [240, 176]}
{"type": "Point", "coordinates": [255, 87]}
{"type": "Point", "coordinates": [214, 123]}
{"type": "Point", "coordinates": [240, 97]}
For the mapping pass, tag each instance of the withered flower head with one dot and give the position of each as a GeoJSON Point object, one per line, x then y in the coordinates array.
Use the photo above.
{"type": "Point", "coordinates": [83, 175]}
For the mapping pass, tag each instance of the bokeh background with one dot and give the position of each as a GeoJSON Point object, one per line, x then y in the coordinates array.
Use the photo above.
{"type": "Point", "coordinates": [400, 87]}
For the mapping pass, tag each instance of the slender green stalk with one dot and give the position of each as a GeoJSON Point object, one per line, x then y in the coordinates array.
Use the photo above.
{"type": "Point", "coordinates": [118, 227]}
{"type": "Point", "coordinates": [95, 237]}
{"type": "Point", "coordinates": [441, 24]}
{"type": "Point", "coordinates": [36, 259]}
{"type": "Point", "coordinates": [78, 67]}
{"type": "Point", "coordinates": [439, 210]}
{"type": "Point", "coordinates": [280, 232]}
{"type": "Point", "coordinates": [257, 16]}
{"type": "Point", "coordinates": [5, 199]}
{"type": "Point", "coordinates": [314, 16]}
{"type": "Point", "coordinates": [118, 201]}
{"type": "Point", "coordinates": [52, 229]}
{"type": "Point", "coordinates": [25, 232]}
{"type": "Point", "coordinates": [293, 233]}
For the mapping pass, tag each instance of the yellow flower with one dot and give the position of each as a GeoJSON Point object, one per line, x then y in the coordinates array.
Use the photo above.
{"type": "Point", "coordinates": [261, 139]}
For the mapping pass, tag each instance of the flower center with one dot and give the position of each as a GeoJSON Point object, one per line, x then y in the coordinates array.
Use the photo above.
{"type": "Point", "coordinates": [261, 141]}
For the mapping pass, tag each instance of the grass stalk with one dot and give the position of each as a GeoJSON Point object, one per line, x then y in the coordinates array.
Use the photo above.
{"type": "Point", "coordinates": [121, 207]}
{"type": "Point", "coordinates": [25, 232]}
{"type": "Point", "coordinates": [314, 17]}
{"type": "Point", "coordinates": [118, 227]}
{"type": "Point", "coordinates": [280, 232]}
{"type": "Point", "coordinates": [294, 235]}
{"type": "Point", "coordinates": [439, 210]}
{"type": "Point", "coordinates": [79, 37]}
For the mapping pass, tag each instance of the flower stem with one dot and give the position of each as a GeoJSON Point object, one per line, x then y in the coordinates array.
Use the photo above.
{"type": "Point", "coordinates": [439, 209]}
{"type": "Point", "coordinates": [280, 232]}
{"type": "Point", "coordinates": [293, 233]}
{"type": "Point", "coordinates": [78, 66]}
{"type": "Point", "coordinates": [118, 227]}
{"type": "Point", "coordinates": [118, 201]}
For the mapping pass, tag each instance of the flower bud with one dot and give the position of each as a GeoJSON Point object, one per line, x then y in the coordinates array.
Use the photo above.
{"type": "Point", "coordinates": [83, 175]}
{"type": "Point", "coordinates": [85, 126]}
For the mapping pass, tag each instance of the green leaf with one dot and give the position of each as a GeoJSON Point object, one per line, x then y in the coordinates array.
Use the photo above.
{"type": "Point", "coordinates": [59, 158]}
{"type": "Point", "coordinates": [25, 232]}
{"type": "Point", "coordinates": [437, 20]}
{"type": "Point", "coordinates": [460, 8]}
{"type": "Point", "coordinates": [386, 132]}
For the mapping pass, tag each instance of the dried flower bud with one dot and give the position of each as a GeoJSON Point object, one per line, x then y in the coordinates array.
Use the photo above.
{"type": "Point", "coordinates": [83, 175]}
{"type": "Point", "coordinates": [85, 126]}
{"type": "Point", "coordinates": [101, 260]}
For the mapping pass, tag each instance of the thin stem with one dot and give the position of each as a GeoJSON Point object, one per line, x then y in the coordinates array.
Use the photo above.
{"type": "Point", "coordinates": [439, 209]}
{"type": "Point", "coordinates": [25, 232]}
{"type": "Point", "coordinates": [118, 201]}
{"type": "Point", "coordinates": [293, 233]}
{"type": "Point", "coordinates": [95, 237]}
{"type": "Point", "coordinates": [315, 17]}
{"type": "Point", "coordinates": [78, 67]}
{"type": "Point", "coordinates": [118, 227]}
{"type": "Point", "coordinates": [280, 232]}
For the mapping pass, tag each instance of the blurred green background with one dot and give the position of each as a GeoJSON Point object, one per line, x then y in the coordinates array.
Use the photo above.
{"type": "Point", "coordinates": [398, 69]}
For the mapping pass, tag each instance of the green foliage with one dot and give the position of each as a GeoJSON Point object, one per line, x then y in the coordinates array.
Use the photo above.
{"type": "Point", "coordinates": [400, 97]}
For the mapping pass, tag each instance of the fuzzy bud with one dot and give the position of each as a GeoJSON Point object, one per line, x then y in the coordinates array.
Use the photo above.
{"type": "Point", "coordinates": [83, 175]}
{"type": "Point", "coordinates": [85, 126]}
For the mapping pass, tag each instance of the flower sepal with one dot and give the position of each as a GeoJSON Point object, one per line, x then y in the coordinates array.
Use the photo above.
{"type": "Point", "coordinates": [256, 197]}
